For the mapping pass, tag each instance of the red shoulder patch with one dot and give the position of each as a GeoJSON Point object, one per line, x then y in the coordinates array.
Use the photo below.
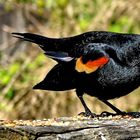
{"type": "Point", "coordinates": [90, 66]}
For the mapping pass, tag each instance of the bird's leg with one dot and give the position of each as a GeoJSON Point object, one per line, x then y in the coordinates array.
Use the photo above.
{"type": "Point", "coordinates": [118, 112]}
{"type": "Point", "coordinates": [87, 110]}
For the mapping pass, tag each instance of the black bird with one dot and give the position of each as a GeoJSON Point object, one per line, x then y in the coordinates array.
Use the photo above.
{"type": "Point", "coordinates": [102, 64]}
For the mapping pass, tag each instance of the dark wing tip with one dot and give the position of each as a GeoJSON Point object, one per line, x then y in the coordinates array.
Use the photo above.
{"type": "Point", "coordinates": [18, 35]}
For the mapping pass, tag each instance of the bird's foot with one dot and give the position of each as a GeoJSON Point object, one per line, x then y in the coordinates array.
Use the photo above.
{"type": "Point", "coordinates": [133, 114]}
{"type": "Point", "coordinates": [88, 114]}
{"type": "Point", "coordinates": [106, 114]}
{"type": "Point", "coordinates": [123, 114]}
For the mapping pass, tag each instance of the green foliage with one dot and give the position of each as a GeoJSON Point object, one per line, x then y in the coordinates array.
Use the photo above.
{"type": "Point", "coordinates": [24, 1]}
{"type": "Point", "coordinates": [23, 76]}
{"type": "Point", "coordinates": [38, 62]}
{"type": "Point", "coordinates": [7, 73]}
{"type": "Point", "coordinates": [121, 25]}
{"type": "Point", "coordinates": [62, 3]}
{"type": "Point", "coordinates": [10, 94]}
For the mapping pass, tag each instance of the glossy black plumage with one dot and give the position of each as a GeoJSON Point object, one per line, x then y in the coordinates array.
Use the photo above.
{"type": "Point", "coordinates": [118, 76]}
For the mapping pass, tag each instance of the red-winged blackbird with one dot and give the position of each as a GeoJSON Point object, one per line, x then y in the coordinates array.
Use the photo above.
{"type": "Point", "coordinates": [101, 64]}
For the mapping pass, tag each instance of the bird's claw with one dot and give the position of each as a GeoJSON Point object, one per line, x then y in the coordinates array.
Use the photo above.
{"type": "Point", "coordinates": [106, 114]}
{"type": "Point", "coordinates": [88, 114]}
{"type": "Point", "coordinates": [133, 114]}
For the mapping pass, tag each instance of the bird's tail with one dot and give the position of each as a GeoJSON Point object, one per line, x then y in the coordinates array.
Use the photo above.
{"type": "Point", "coordinates": [61, 77]}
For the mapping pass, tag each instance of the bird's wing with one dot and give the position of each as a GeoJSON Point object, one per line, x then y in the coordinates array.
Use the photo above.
{"type": "Point", "coordinates": [92, 58]}
{"type": "Point", "coordinates": [79, 48]}
{"type": "Point", "coordinates": [67, 44]}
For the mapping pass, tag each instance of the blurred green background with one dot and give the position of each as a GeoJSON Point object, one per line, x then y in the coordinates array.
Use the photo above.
{"type": "Point", "coordinates": [23, 64]}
